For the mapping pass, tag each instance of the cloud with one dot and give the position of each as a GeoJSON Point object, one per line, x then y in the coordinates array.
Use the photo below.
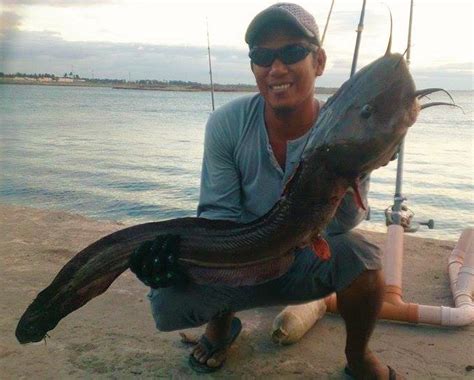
{"type": "Point", "coordinates": [455, 76]}
{"type": "Point", "coordinates": [9, 21]}
{"type": "Point", "coordinates": [32, 52]}
{"type": "Point", "coordinates": [9, 25]}
{"type": "Point", "coordinates": [48, 52]}
{"type": "Point", "coordinates": [462, 67]}
{"type": "Point", "coordinates": [58, 3]}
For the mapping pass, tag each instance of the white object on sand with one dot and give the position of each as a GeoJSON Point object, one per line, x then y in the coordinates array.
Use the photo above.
{"type": "Point", "coordinates": [294, 321]}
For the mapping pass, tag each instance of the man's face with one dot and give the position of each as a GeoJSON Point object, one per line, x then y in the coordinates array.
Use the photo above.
{"type": "Point", "coordinates": [287, 87]}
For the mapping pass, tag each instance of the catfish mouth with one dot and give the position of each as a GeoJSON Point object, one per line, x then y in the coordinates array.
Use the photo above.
{"type": "Point", "coordinates": [27, 332]}
{"type": "Point", "coordinates": [34, 326]}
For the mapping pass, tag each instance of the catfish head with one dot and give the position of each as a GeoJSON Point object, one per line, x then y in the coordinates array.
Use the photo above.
{"type": "Point", "coordinates": [363, 123]}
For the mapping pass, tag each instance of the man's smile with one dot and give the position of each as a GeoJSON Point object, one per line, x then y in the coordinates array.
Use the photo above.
{"type": "Point", "coordinates": [281, 87]}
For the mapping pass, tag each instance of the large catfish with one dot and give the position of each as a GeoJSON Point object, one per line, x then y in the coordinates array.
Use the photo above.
{"type": "Point", "coordinates": [358, 130]}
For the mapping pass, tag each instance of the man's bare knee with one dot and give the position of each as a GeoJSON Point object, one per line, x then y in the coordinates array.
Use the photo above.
{"type": "Point", "coordinates": [369, 284]}
{"type": "Point", "coordinates": [165, 324]}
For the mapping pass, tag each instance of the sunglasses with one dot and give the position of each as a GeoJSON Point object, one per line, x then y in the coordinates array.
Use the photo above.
{"type": "Point", "coordinates": [288, 54]}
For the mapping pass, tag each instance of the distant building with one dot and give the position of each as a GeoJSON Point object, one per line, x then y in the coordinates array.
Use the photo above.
{"type": "Point", "coordinates": [65, 80]}
{"type": "Point", "coordinates": [25, 79]}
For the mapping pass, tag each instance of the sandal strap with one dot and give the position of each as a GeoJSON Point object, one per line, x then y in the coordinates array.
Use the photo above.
{"type": "Point", "coordinates": [212, 348]}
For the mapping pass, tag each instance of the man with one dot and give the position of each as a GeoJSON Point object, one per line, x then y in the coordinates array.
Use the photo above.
{"type": "Point", "coordinates": [252, 146]}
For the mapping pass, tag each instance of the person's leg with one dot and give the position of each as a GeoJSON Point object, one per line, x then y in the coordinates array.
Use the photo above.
{"type": "Point", "coordinates": [182, 308]}
{"type": "Point", "coordinates": [194, 305]}
{"type": "Point", "coordinates": [359, 305]}
{"type": "Point", "coordinates": [218, 334]}
{"type": "Point", "coordinates": [359, 283]}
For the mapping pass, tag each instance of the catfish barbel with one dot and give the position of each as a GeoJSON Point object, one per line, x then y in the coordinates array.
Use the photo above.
{"type": "Point", "coordinates": [358, 130]}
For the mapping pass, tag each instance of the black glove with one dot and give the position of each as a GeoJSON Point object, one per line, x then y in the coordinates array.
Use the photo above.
{"type": "Point", "coordinates": [154, 262]}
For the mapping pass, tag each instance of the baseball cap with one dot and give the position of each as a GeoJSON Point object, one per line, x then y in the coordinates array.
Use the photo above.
{"type": "Point", "coordinates": [290, 13]}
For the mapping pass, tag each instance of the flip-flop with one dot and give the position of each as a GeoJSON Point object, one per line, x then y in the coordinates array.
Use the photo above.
{"type": "Point", "coordinates": [211, 349]}
{"type": "Point", "coordinates": [392, 375]}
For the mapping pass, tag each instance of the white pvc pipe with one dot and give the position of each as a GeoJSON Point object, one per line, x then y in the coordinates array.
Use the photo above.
{"type": "Point", "coordinates": [446, 316]}
{"type": "Point", "coordinates": [393, 256]}
{"type": "Point", "coordinates": [461, 256]}
{"type": "Point", "coordinates": [461, 276]}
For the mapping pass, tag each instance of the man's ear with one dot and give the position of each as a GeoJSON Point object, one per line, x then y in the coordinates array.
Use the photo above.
{"type": "Point", "coordinates": [319, 61]}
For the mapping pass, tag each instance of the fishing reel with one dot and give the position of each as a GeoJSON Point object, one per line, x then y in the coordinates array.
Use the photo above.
{"type": "Point", "coordinates": [400, 214]}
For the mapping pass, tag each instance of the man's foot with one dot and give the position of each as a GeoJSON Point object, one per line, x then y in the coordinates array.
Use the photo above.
{"type": "Point", "coordinates": [392, 375]}
{"type": "Point", "coordinates": [370, 367]}
{"type": "Point", "coordinates": [210, 351]}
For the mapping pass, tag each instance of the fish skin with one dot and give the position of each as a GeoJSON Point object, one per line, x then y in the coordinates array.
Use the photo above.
{"type": "Point", "coordinates": [344, 145]}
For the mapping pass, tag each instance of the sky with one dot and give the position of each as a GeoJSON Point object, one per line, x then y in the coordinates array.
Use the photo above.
{"type": "Point", "coordinates": [167, 40]}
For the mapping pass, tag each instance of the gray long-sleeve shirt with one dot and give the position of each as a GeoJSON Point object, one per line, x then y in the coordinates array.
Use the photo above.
{"type": "Point", "coordinates": [241, 179]}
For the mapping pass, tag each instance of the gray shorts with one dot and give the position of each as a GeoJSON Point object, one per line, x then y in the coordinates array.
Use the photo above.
{"type": "Point", "coordinates": [309, 278]}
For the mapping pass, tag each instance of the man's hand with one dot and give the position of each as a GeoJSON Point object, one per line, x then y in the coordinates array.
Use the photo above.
{"type": "Point", "coordinates": [154, 263]}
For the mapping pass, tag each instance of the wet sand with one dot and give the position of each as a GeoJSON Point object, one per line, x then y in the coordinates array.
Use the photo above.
{"type": "Point", "coordinates": [113, 336]}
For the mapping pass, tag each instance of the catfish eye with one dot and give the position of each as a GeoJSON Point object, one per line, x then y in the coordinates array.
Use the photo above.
{"type": "Point", "coordinates": [366, 111]}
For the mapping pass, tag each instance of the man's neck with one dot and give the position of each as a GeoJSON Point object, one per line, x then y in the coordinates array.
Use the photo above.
{"type": "Point", "coordinates": [284, 125]}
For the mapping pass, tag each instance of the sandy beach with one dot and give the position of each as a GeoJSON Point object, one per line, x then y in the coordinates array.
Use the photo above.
{"type": "Point", "coordinates": [114, 336]}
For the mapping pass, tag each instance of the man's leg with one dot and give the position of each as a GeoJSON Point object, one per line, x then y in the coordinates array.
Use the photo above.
{"type": "Point", "coordinates": [359, 305]}
{"type": "Point", "coordinates": [175, 309]}
{"type": "Point", "coordinates": [217, 332]}
{"type": "Point", "coordinates": [360, 299]}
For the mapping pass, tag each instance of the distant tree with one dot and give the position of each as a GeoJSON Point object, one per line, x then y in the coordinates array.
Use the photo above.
{"type": "Point", "coordinates": [76, 76]}
{"type": "Point", "coordinates": [65, 75]}
{"type": "Point", "coordinates": [1, 75]}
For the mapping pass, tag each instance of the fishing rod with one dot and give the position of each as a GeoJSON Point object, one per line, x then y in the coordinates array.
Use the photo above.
{"type": "Point", "coordinates": [359, 30]}
{"type": "Point", "coordinates": [409, 33]}
{"type": "Point", "coordinates": [400, 214]}
{"type": "Point", "coordinates": [398, 198]}
{"type": "Point", "coordinates": [210, 66]}
{"type": "Point", "coordinates": [327, 22]}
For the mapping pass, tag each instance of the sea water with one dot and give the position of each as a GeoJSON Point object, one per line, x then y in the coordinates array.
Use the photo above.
{"type": "Point", "coordinates": [135, 156]}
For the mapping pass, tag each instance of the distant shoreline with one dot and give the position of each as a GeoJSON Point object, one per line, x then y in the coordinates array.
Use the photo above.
{"type": "Point", "coordinates": [60, 84]}
{"type": "Point", "coordinates": [160, 87]}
